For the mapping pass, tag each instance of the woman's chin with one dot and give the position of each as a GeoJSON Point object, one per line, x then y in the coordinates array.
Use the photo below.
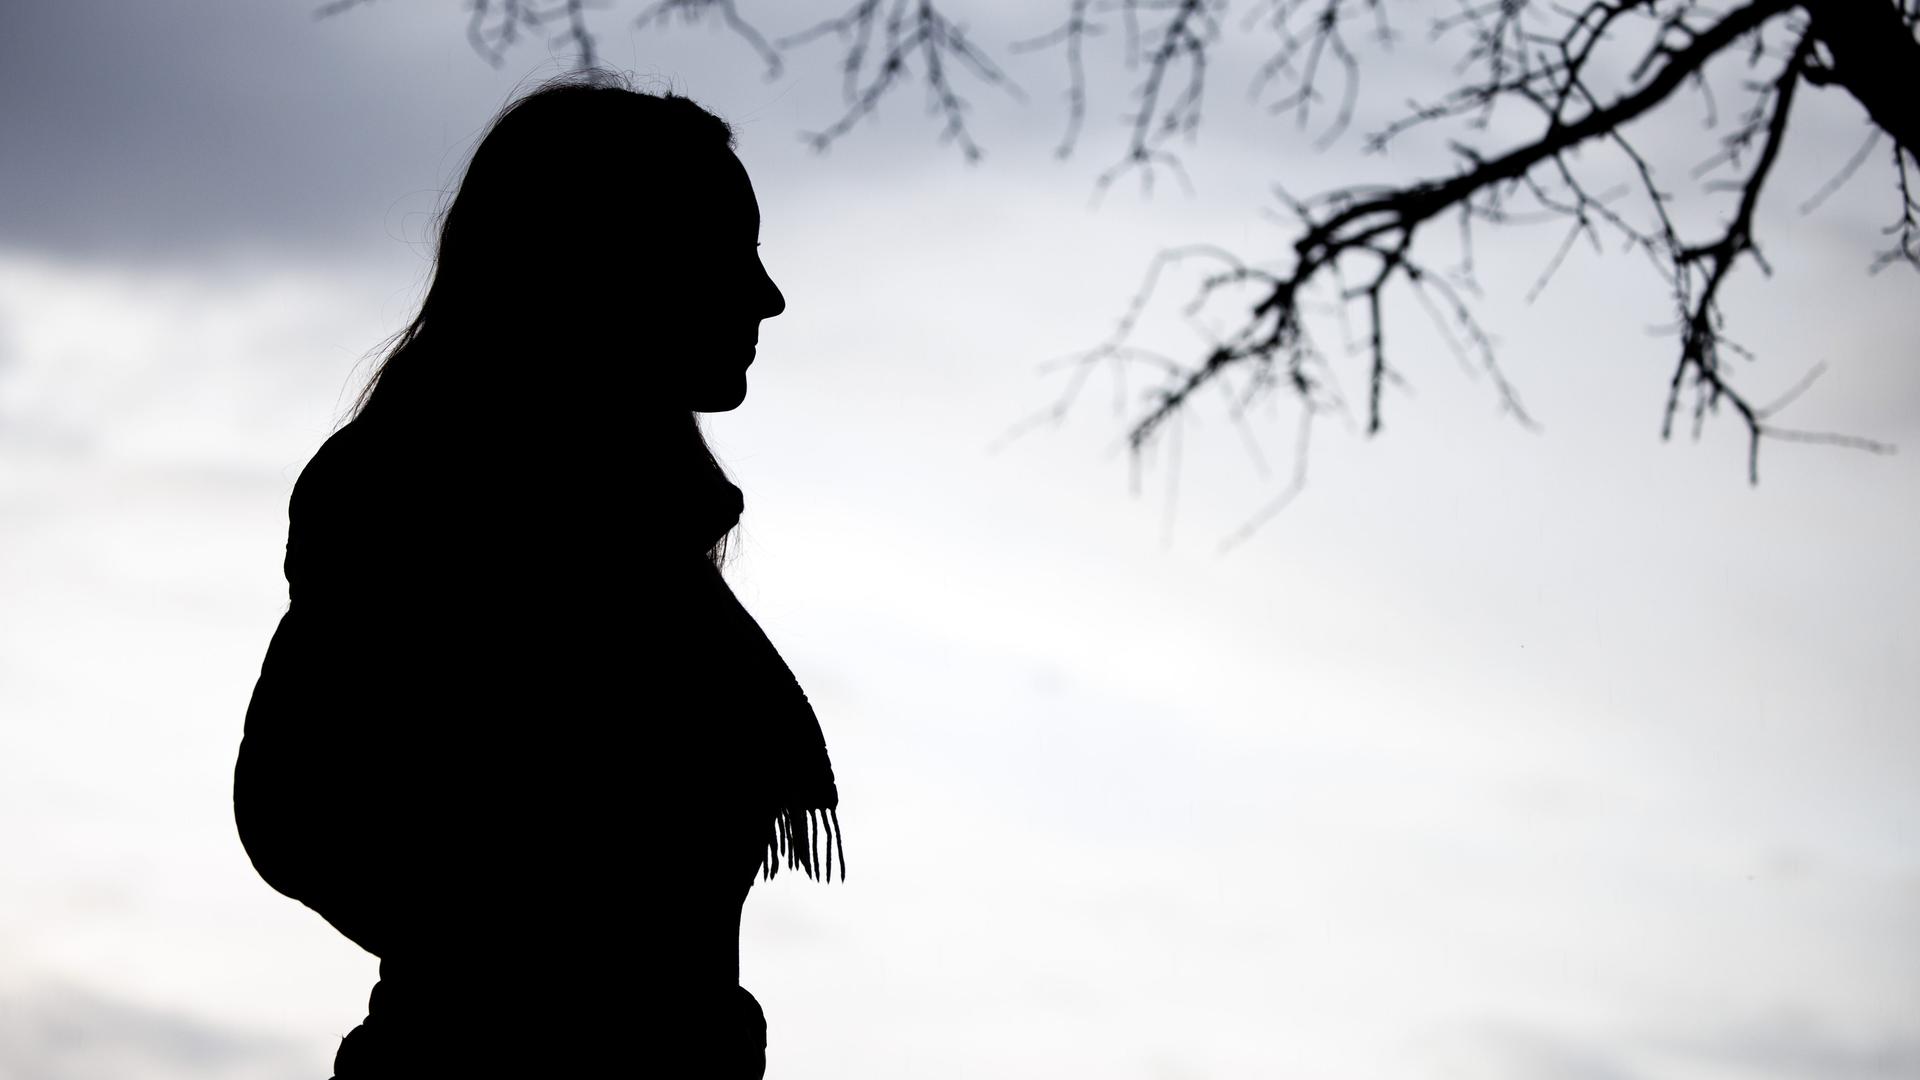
{"type": "Point", "coordinates": [721, 396]}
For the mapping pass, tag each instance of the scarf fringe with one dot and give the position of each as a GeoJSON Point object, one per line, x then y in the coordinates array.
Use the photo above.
{"type": "Point", "coordinates": [805, 840]}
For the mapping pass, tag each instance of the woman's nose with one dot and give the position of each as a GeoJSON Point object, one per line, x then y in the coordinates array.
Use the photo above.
{"type": "Point", "coordinates": [775, 302]}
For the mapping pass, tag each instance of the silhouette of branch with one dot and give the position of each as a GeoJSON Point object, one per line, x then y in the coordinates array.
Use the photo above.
{"type": "Point", "coordinates": [1323, 37]}
{"type": "Point", "coordinates": [1172, 85]}
{"type": "Point", "coordinates": [1869, 50]}
{"type": "Point", "coordinates": [1845, 174]}
{"type": "Point", "coordinates": [1360, 249]}
{"type": "Point", "coordinates": [329, 10]}
{"type": "Point", "coordinates": [1071, 35]}
{"type": "Point", "coordinates": [1371, 236]}
{"type": "Point", "coordinates": [494, 26]}
{"type": "Point", "coordinates": [884, 38]}
{"type": "Point", "coordinates": [1297, 483]}
{"type": "Point", "coordinates": [661, 12]}
{"type": "Point", "coordinates": [1906, 228]}
{"type": "Point", "coordinates": [1697, 294]}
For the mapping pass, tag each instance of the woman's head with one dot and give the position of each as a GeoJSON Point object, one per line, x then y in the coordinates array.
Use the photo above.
{"type": "Point", "coordinates": [602, 243]}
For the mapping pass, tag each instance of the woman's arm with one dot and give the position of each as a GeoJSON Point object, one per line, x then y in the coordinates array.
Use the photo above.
{"type": "Point", "coordinates": [457, 715]}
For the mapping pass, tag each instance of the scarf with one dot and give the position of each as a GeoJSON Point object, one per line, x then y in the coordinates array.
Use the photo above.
{"type": "Point", "coordinates": [781, 758]}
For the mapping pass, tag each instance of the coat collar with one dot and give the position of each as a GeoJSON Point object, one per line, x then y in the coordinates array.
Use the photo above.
{"type": "Point", "coordinates": [707, 507]}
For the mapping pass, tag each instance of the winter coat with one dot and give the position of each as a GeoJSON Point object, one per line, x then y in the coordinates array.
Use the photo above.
{"type": "Point", "coordinates": [514, 718]}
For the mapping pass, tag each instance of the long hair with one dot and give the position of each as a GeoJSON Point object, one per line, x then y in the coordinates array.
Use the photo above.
{"type": "Point", "coordinates": [513, 230]}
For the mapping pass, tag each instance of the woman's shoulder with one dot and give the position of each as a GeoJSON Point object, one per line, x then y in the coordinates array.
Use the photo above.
{"type": "Point", "coordinates": [363, 466]}
{"type": "Point", "coordinates": [358, 498]}
{"type": "Point", "coordinates": [340, 462]}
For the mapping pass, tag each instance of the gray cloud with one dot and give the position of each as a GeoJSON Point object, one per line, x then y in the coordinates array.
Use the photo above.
{"type": "Point", "coordinates": [156, 133]}
{"type": "Point", "coordinates": [149, 132]}
{"type": "Point", "coordinates": [1785, 1045]}
{"type": "Point", "coordinates": [138, 130]}
{"type": "Point", "coordinates": [161, 131]}
{"type": "Point", "coordinates": [1799, 1045]}
{"type": "Point", "coordinates": [60, 1031]}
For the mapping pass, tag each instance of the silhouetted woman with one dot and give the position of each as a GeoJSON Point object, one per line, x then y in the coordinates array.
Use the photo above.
{"type": "Point", "coordinates": [514, 734]}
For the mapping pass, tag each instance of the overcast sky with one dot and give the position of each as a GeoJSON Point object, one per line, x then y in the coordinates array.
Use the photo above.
{"type": "Point", "coordinates": [1496, 754]}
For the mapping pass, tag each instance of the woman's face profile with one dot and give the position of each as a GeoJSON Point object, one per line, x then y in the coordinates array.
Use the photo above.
{"type": "Point", "coordinates": [708, 291]}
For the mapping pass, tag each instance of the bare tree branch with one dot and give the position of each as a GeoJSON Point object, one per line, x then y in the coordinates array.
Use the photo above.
{"type": "Point", "coordinates": [1072, 35]}
{"type": "Point", "coordinates": [691, 11]}
{"type": "Point", "coordinates": [881, 50]}
{"type": "Point", "coordinates": [1381, 227]}
{"type": "Point", "coordinates": [495, 26]}
{"type": "Point", "coordinates": [1361, 248]}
